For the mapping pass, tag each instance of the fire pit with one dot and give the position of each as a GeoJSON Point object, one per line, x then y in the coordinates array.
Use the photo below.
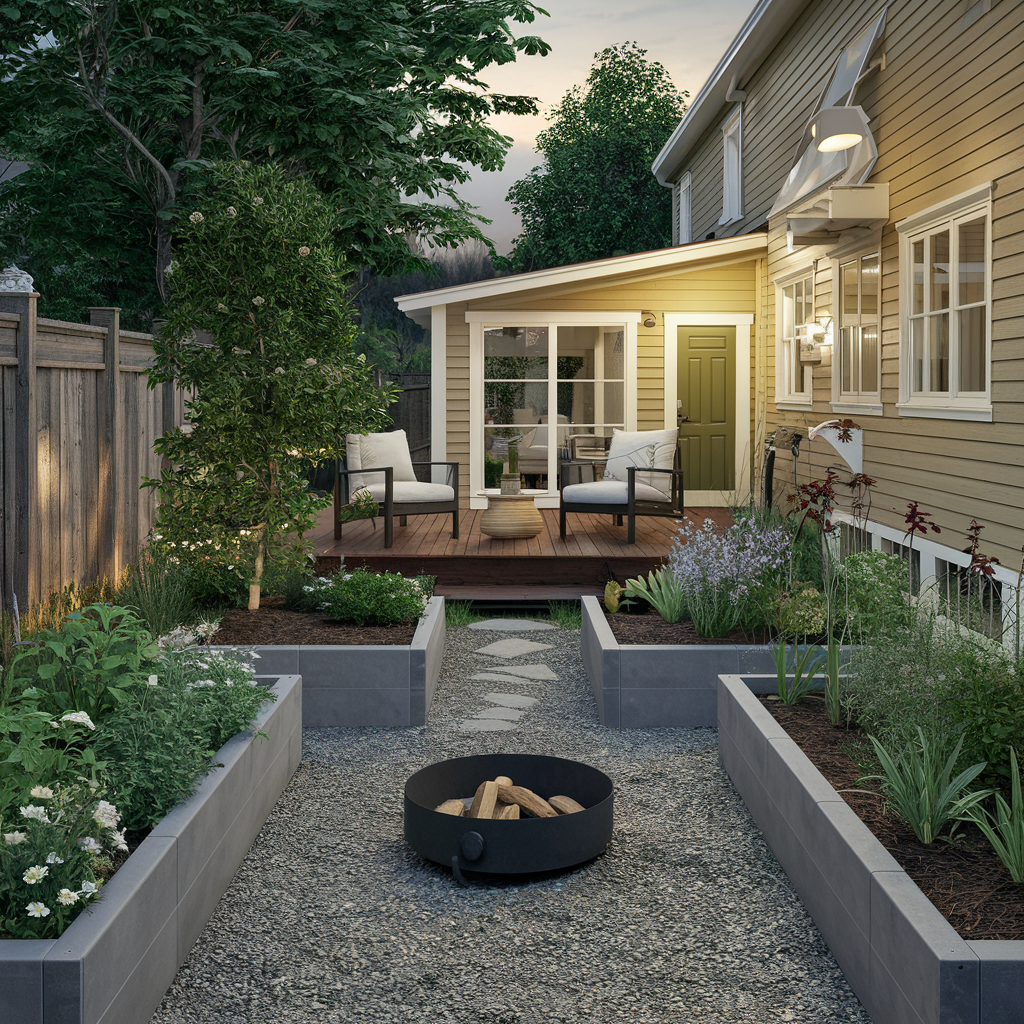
{"type": "Point", "coordinates": [522, 846]}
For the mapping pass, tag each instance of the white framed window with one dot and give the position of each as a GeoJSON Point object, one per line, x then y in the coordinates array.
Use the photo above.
{"type": "Point", "coordinates": [857, 356]}
{"type": "Point", "coordinates": [945, 309]}
{"type": "Point", "coordinates": [794, 307]}
{"type": "Point", "coordinates": [732, 167]}
{"type": "Point", "coordinates": [681, 230]}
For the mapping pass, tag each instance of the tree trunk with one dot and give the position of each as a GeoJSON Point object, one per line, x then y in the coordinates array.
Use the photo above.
{"type": "Point", "coordinates": [163, 257]}
{"type": "Point", "coordinates": [254, 586]}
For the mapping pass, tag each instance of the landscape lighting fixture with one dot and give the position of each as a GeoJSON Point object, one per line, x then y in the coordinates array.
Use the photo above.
{"type": "Point", "coordinates": [837, 128]}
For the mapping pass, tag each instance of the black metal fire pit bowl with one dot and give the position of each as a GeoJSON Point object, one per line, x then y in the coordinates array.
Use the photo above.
{"type": "Point", "coordinates": [526, 846]}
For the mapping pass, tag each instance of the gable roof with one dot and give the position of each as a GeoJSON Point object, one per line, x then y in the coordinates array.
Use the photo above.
{"type": "Point", "coordinates": [767, 24]}
{"type": "Point", "coordinates": [418, 304]}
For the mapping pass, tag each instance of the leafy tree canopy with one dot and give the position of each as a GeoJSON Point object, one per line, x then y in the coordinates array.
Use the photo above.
{"type": "Point", "coordinates": [595, 195]}
{"type": "Point", "coordinates": [379, 102]}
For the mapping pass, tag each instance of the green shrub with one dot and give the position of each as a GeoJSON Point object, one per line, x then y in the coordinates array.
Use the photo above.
{"type": "Point", "coordinates": [803, 665]}
{"type": "Point", "coordinates": [870, 587]}
{"type": "Point", "coordinates": [366, 598]}
{"type": "Point", "coordinates": [802, 611]}
{"type": "Point", "coordinates": [662, 591]}
{"type": "Point", "coordinates": [1005, 829]}
{"type": "Point", "coordinates": [159, 591]}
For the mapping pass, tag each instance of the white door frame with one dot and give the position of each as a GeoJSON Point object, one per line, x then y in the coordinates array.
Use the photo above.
{"type": "Point", "coordinates": [744, 323]}
{"type": "Point", "coordinates": [479, 320]}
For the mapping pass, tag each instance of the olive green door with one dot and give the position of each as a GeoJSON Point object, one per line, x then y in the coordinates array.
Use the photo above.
{"type": "Point", "coordinates": [706, 387]}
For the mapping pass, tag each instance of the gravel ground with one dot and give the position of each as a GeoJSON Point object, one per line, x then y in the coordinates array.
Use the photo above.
{"type": "Point", "coordinates": [686, 918]}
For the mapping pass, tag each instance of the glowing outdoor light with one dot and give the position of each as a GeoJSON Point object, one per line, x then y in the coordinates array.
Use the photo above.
{"type": "Point", "coordinates": [837, 128]}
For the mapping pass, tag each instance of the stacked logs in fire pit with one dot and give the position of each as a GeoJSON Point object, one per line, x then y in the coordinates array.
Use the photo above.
{"type": "Point", "coordinates": [500, 800]}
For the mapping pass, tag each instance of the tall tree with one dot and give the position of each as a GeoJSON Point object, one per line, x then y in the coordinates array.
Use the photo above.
{"type": "Point", "coordinates": [379, 102]}
{"type": "Point", "coordinates": [595, 195]}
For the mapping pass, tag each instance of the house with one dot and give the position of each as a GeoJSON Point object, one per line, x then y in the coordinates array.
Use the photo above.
{"type": "Point", "coordinates": [848, 195]}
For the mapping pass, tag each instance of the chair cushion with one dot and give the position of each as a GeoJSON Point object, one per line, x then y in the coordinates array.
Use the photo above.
{"type": "Point", "coordinates": [364, 451]}
{"type": "Point", "coordinates": [609, 492]}
{"type": "Point", "coordinates": [406, 490]}
{"type": "Point", "coordinates": [645, 449]}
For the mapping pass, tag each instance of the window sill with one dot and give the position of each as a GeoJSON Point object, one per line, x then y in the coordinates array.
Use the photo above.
{"type": "Point", "coordinates": [855, 408]}
{"type": "Point", "coordinates": [794, 405]}
{"type": "Point", "coordinates": [937, 411]}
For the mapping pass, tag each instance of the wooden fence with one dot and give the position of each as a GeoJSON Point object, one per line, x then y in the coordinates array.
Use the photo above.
{"type": "Point", "coordinates": [411, 412]}
{"type": "Point", "coordinates": [77, 429]}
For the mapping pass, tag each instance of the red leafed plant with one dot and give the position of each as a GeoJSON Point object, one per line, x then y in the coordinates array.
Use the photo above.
{"type": "Point", "coordinates": [917, 522]}
{"type": "Point", "coordinates": [981, 565]}
{"type": "Point", "coordinates": [845, 429]}
{"type": "Point", "coordinates": [816, 500]}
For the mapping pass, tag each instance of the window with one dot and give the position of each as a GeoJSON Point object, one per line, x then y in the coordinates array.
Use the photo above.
{"type": "Point", "coordinates": [857, 358]}
{"type": "Point", "coordinates": [794, 306]}
{"type": "Point", "coordinates": [732, 169]}
{"type": "Point", "coordinates": [681, 211]}
{"type": "Point", "coordinates": [945, 305]}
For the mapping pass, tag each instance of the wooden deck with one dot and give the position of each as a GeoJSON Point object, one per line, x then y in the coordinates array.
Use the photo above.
{"type": "Point", "coordinates": [477, 567]}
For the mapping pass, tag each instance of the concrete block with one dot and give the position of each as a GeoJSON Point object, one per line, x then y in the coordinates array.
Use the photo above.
{"type": "Point", "coordinates": [21, 980]}
{"type": "Point", "coordinates": [675, 667]}
{"type": "Point", "coordinates": [348, 707]}
{"type": "Point", "coordinates": [148, 981]}
{"type": "Point", "coordinates": [682, 708]}
{"type": "Point", "coordinates": [275, 661]}
{"type": "Point", "coordinates": [1002, 981]}
{"type": "Point", "coordinates": [355, 666]}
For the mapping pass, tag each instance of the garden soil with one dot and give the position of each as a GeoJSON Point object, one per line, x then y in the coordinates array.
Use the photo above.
{"type": "Point", "coordinates": [965, 880]}
{"type": "Point", "coordinates": [275, 626]}
{"type": "Point", "coordinates": [649, 628]}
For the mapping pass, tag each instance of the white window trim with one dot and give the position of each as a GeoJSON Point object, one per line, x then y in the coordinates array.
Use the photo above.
{"type": "Point", "coordinates": [732, 205]}
{"type": "Point", "coordinates": [978, 408]}
{"type": "Point", "coordinates": [682, 225]}
{"type": "Point", "coordinates": [481, 320]}
{"type": "Point", "coordinates": [784, 400]}
{"type": "Point", "coordinates": [863, 405]}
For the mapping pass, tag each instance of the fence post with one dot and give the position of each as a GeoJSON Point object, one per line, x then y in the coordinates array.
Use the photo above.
{"type": "Point", "coordinates": [111, 510]}
{"type": "Point", "coordinates": [21, 550]}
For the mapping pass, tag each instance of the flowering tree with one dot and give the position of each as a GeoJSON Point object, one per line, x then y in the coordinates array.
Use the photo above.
{"type": "Point", "coordinates": [260, 333]}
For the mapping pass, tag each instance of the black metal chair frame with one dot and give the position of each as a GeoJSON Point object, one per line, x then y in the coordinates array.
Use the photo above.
{"type": "Point", "coordinates": [389, 508]}
{"type": "Point", "coordinates": [633, 506]}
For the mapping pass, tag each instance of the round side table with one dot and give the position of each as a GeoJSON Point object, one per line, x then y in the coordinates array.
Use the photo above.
{"type": "Point", "coordinates": [511, 516]}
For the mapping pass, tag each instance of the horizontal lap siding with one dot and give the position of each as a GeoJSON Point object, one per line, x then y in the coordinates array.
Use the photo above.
{"type": "Point", "coordinates": [458, 393]}
{"type": "Point", "coordinates": [946, 117]}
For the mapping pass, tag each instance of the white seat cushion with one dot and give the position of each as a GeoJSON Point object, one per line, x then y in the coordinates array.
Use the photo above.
{"type": "Point", "coordinates": [645, 449]}
{"type": "Point", "coordinates": [609, 492]}
{"type": "Point", "coordinates": [364, 451]}
{"type": "Point", "coordinates": [406, 490]}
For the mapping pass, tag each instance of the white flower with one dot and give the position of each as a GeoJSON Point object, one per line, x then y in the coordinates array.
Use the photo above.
{"type": "Point", "coordinates": [232, 211]}
{"type": "Point", "coordinates": [13, 838]}
{"type": "Point", "coordinates": [303, 250]}
{"type": "Point", "coordinates": [90, 844]}
{"type": "Point", "coordinates": [38, 910]}
{"type": "Point", "coordinates": [152, 681]}
{"type": "Point", "coordinates": [66, 897]}
{"type": "Point", "coordinates": [171, 268]}
{"type": "Point", "coordinates": [106, 815]}
{"type": "Point", "coordinates": [78, 717]}
{"type": "Point", "coordinates": [221, 308]}
{"type": "Point", "coordinates": [35, 812]}
{"type": "Point", "coordinates": [36, 873]}
{"type": "Point", "coordinates": [196, 217]}
{"type": "Point", "coordinates": [42, 793]}
{"type": "Point", "coordinates": [258, 201]}
{"type": "Point", "coordinates": [279, 371]}
{"type": "Point", "coordinates": [52, 858]}
{"type": "Point", "coordinates": [88, 889]}
{"type": "Point", "coordinates": [311, 361]}
{"type": "Point", "coordinates": [258, 301]}
{"type": "Point", "coordinates": [120, 843]}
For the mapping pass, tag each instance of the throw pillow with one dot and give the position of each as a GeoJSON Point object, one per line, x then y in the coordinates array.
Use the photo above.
{"type": "Point", "coordinates": [366, 451]}
{"type": "Point", "coordinates": [645, 449]}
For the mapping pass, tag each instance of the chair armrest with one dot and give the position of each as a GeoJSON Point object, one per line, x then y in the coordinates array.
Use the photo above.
{"type": "Point", "coordinates": [580, 464]}
{"type": "Point", "coordinates": [452, 474]}
{"type": "Point", "coordinates": [631, 471]}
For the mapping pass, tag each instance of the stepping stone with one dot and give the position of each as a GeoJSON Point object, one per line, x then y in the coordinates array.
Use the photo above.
{"type": "Point", "coordinates": [529, 671]}
{"type": "Point", "coordinates": [507, 714]}
{"type": "Point", "coordinates": [513, 647]}
{"type": "Point", "coordinates": [511, 700]}
{"type": "Point", "coordinates": [513, 625]}
{"type": "Point", "coordinates": [493, 677]}
{"type": "Point", "coordinates": [486, 725]}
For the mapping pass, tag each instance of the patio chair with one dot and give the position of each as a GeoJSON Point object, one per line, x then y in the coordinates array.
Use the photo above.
{"type": "Point", "coordinates": [642, 477]}
{"type": "Point", "coordinates": [382, 465]}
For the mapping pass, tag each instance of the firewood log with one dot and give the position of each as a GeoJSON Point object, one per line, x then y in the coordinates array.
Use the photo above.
{"type": "Point", "coordinates": [474, 807]}
{"type": "Point", "coordinates": [488, 798]}
{"type": "Point", "coordinates": [531, 804]}
{"type": "Point", "coordinates": [503, 780]}
{"type": "Point", "coordinates": [456, 807]}
{"type": "Point", "coordinates": [508, 812]}
{"type": "Point", "coordinates": [565, 805]}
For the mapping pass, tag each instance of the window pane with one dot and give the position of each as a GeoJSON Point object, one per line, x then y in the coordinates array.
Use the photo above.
{"type": "Point", "coordinates": [940, 353]}
{"type": "Point", "coordinates": [516, 353]}
{"type": "Point", "coordinates": [917, 300]}
{"type": "Point", "coordinates": [846, 358]}
{"type": "Point", "coordinates": [869, 359]}
{"type": "Point", "coordinates": [869, 286]}
{"type": "Point", "coordinates": [972, 264]}
{"type": "Point", "coordinates": [515, 402]}
{"type": "Point", "coordinates": [787, 311]}
{"type": "Point", "coordinates": [917, 328]}
{"type": "Point", "coordinates": [796, 373]}
{"type": "Point", "coordinates": [848, 284]}
{"type": "Point", "coordinates": [940, 271]}
{"type": "Point", "coordinates": [972, 349]}
{"type": "Point", "coordinates": [587, 402]}
{"type": "Point", "coordinates": [798, 305]}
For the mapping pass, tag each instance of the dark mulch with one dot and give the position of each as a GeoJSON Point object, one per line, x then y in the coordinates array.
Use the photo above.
{"type": "Point", "coordinates": [966, 881]}
{"type": "Point", "coordinates": [277, 626]}
{"type": "Point", "coordinates": [651, 628]}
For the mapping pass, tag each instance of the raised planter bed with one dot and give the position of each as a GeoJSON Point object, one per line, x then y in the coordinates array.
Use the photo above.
{"type": "Point", "coordinates": [113, 964]}
{"type": "Point", "coordinates": [361, 685]}
{"type": "Point", "coordinates": [645, 686]}
{"type": "Point", "coordinates": [903, 959]}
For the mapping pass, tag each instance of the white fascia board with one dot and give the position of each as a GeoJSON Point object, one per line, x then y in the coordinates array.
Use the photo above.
{"type": "Point", "coordinates": [659, 260]}
{"type": "Point", "coordinates": [766, 25]}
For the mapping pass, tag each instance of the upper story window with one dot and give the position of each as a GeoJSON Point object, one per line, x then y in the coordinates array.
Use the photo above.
{"type": "Point", "coordinates": [945, 299]}
{"type": "Point", "coordinates": [732, 169]}
{"type": "Point", "coordinates": [794, 307]}
{"type": "Point", "coordinates": [681, 211]}
{"type": "Point", "coordinates": [857, 359]}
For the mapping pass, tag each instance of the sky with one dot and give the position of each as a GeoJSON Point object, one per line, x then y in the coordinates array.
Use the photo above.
{"type": "Point", "coordinates": [687, 36]}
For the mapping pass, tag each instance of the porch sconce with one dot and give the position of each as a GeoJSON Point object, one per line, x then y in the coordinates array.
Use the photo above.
{"type": "Point", "coordinates": [838, 128]}
{"type": "Point", "coordinates": [647, 318]}
{"type": "Point", "coordinates": [819, 329]}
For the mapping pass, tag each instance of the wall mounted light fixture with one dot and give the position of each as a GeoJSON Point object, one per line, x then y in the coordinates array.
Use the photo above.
{"type": "Point", "coordinates": [837, 128]}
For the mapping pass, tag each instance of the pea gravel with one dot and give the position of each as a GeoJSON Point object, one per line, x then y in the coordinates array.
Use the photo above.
{"type": "Point", "coordinates": [686, 919]}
